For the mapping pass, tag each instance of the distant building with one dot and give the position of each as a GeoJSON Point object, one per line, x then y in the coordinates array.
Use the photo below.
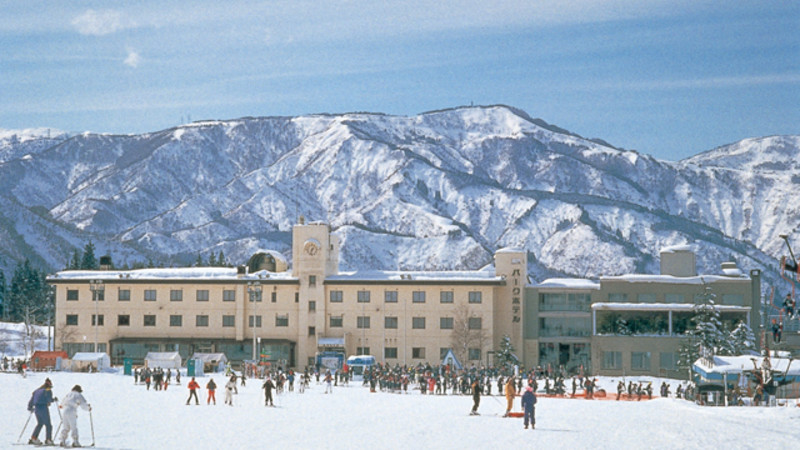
{"type": "Point", "coordinates": [630, 324]}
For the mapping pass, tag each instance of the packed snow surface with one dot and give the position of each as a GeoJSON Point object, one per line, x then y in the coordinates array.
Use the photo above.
{"type": "Point", "coordinates": [127, 416]}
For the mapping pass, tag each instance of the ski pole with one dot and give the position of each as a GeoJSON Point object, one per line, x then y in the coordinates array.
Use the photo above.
{"type": "Point", "coordinates": [91, 424]}
{"type": "Point", "coordinates": [60, 418]}
{"type": "Point", "coordinates": [26, 426]}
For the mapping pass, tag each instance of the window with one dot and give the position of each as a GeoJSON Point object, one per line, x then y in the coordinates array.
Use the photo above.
{"type": "Point", "coordinates": [475, 297]}
{"type": "Point", "coordinates": [668, 360]}
{"type": "Point", "coordinates": [732, 299]}
{"type": "Point", "coordinates": [297, 297]}
{"type": "Point", "coordinates": [390, 322]}
{"type": "Point", "coordinates": [646, 298]}
{"type": "Point", "coordinates": [201, 320]}
{"type": "Point", "coordinates": [312, 280]}
{"type": "Point", "coordinates": [100, 321]}
{"type": "Point", "coordinates": [475, 323]}
{"type": "Point", "coordinates": [674, 298]}
{"type": "Point", "coordinates": [362, 350]}
{"type": "Point", "coordinates": [312, 305]}
{"type": "Point", "coordinates": [228, 321]}
{"type": "Point", "coordinates": [474, 354]}
{"type": "Point", "coordinates": [149, 320]}
{"type": "Point", "coordinates": [362, 322]}
{"type": "Point", "coordinates": [390, 296]}
{"type": "Point", "coordinates": [123, 320]}
{"type": "Point", "coordinates": [176, 321]}
{"type": "Point", "coordinates": [254, 320]}
{"type": "Point", "coordinates": [149, 295]}
{"type": "Point", "coordinates": [446, 297]}
{"type": "Point", "coordinates": [124, 295]}
{"type": "Point", "coordinates": [312, 331]}
{"type": "Point", "coordinates": [282, 321]}
{"type": "Point", "coordinates": [612, 360]}
{"type": "Point", "coordinates": [390, 352]}
{"type": "Point", "coordinates": [228, 295]}
{"type": "Point", "coordinates": [418, 323]}
{"type": "Point", "coordinates": [640, 360]}
{"type": "Point", "coordinates": [445, 323]}
{"type": "Point", "coordinates": [72, 319]}
{"type": "Point", "coordinates": [72, 295]}
{"type": "Point", "coordinates": [418, 352]}
{"type": "Point", "coordinates": [618, 298]}
{"type": "Point", "coordinates": [418, 296]}
{"type": "Point", "coordinates": [176, 295]}
{"type": "Point", "coordinates": [362, 297]}
{"type": "Point", "coordinates": [100, 294]}
{"type": "Point", "coordinates": [336, 321]}
{"type": "Point", "coordinates": [202, 295]}
{"type": "Point", "coordinates": [336, 296]}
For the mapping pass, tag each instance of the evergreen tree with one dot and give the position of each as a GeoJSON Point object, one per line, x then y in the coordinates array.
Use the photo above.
{"type": "Point", "coordinates": [75, 262]}
{"type": "Point", "coordinates": [212, 260]}
{"type": "Point", "coordinates": [3, 299]}
{"type": "Point", "coordinates": [89, 261]}
{"type": "Point", "coordinates": [742, 339]}
{"type": "Point", "coordinates": [711, 338]}
{"type": "Point", "coordinates": [505, 355]}
{"type": "Point", "coordinates": [27, 295]}
{"type": "Point", "coordinates": [199, 262]}
{"type": "Point", "coordinates": [221, 260]}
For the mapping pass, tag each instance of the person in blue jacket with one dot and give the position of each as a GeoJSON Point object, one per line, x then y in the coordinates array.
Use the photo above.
{"type": "Point", "coordinates": [528, 400]}
{"type": "Point", "coordinates": [39, 404]}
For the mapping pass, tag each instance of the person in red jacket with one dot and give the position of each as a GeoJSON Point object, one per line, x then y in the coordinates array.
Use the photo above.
{"type": "Point", "coordinates": [193, 387]}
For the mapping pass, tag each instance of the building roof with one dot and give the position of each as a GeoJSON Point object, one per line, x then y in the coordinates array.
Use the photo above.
{"type": "Point", "coordinates": [680, 307]}
{"type": "Point", "coordinates": [568, 283]}
{"type": "Point", "coordinates": [178, 273]}
{"type": "Point", "coordinates": [667, 279]}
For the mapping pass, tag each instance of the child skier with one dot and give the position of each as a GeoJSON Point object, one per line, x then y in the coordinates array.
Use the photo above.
{"type": "Point", "coordinates": [72, 401]}
{"type": "Point", "coordinates": [476, 396]}
{"type": "Point", "coordinates": [528, 402]}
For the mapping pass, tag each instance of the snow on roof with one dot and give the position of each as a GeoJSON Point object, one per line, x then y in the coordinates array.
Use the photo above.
{"type": "Point", "coordinates": [216, 273]}
{"type": "Point", "coordinates": [384, 275]}
{"type": "Point", "coordinates": [736, 364]}
{"type": "Point", "coordinates": [510, 250]}
{"type": "Point", "coordinates": [646, 278]}
{"type": "Point", "coordinates": [89, 356]}
{"type": "Point", "coordinates": [662, 307]}
{"type": "Point", "coordinates": [277, 255]}
{"type": "Point", "coordinates": [568, 283]}
{"type": "Point", "coordinates": [678, 248]}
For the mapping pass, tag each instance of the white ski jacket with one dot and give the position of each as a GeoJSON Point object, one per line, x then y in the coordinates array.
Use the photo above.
{"type": "Point", "coordinates": [72, 401]}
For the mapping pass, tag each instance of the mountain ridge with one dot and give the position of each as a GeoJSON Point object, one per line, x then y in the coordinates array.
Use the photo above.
{"type": "Point", "coordinates": [442, 189]}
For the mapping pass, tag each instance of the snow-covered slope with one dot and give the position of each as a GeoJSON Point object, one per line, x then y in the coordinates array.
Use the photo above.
{"type": "Point", "coordinates": [442, 189]}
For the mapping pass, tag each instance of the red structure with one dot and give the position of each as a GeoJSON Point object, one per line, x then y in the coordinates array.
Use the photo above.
{"type": "Point", "coordinates": [42, 360]}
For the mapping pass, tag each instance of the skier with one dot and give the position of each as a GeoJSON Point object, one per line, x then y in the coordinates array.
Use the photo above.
{"type": "Point", "coordinates": [193, 387]}
{"type": "Point", "coordinates": [528, 402]}
{"type": "Point", "coordinates": [230, 389]}
{"type": "Point", "coordinates": [476, 396]}
{"type": "Point", "coordinates": [211, 386]}
{"type": "Point", "coordinates": [777, 329]}
{"type": "Point", "coordinates": [40, 404]}
{"type": "Point", "coordinates": [788, 304]}
{"type": "Point", "coordinates": [620, 389]}
{"type": "Point", "coordinates": [70, 417]}
{"type": "Point", "coordinates": [328, 380]}
{"type": "Point", "coordinates": [268, 387]}
{"type": "Point", "coordinates": [511, 392]}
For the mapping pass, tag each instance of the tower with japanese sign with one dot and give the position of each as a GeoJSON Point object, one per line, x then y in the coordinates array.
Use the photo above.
{"type": "Point", "coordinates": [511, 264]}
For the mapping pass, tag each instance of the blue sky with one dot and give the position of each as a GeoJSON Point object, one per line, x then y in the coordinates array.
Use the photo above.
{"type": "Point", "coordinates": [670, 78]}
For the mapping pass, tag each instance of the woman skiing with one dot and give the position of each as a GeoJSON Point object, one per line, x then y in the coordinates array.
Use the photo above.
{"type": "Point", "coordinates": [40, 404]}
{"type": "Point", "coordinates": [72, 401]}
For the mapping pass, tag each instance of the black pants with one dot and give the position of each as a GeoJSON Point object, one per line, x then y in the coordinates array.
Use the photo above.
{"type": "Point", "coordinates": [476, 400]}
{"type": "Point", "coordinates": [192, 393]}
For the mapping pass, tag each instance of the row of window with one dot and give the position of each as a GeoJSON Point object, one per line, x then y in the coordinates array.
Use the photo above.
{"type": "Point", "coordinates": [640, 360]}
{"type": "Point", "coordinates": [364, 296]}
{"type": "Point", "coordinates": [176, 320]}
{"type": "Point", "coordinates": [473, 354]}
{"type": "Point", "coordinates": [229, 295]}
{"type": "Point", "coordinates": [417, 323]}
{"type": "Point", "coordinates": [281, 320]}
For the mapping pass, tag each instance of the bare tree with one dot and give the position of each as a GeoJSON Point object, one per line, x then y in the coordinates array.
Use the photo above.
{"type": "Point", "coordinates": [467, 333]}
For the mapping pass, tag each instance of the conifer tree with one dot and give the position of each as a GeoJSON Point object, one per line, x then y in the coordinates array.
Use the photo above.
{"type": "Point", "coordinates": [505, 355]}
{"type": "Point", "coordinates": [743, 340]}
{"type": "Point", "coordinates": [89, 261]}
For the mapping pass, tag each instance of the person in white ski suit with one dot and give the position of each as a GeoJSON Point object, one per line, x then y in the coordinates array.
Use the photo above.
{"type": "Point", "coordinates": [230, 389]}
{"type": "Point", "coordinates": [70, 405]}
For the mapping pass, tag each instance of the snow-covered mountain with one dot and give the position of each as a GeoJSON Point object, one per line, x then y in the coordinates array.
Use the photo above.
{"type": "Point", "coordinates": [443, 189]}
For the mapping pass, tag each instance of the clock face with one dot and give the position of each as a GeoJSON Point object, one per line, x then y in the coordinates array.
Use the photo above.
{"type": "Point", "coordinates": [311, 248]}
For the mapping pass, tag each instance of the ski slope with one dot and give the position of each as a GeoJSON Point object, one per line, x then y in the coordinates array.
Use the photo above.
{"type": "Point", "coordinates": [127, 416]}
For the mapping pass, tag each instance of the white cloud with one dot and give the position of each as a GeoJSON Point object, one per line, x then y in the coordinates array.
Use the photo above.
{"type": "Point", "coordinates": [99, 23]}
{"type": "Point", "coordinates": [133, 59]}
